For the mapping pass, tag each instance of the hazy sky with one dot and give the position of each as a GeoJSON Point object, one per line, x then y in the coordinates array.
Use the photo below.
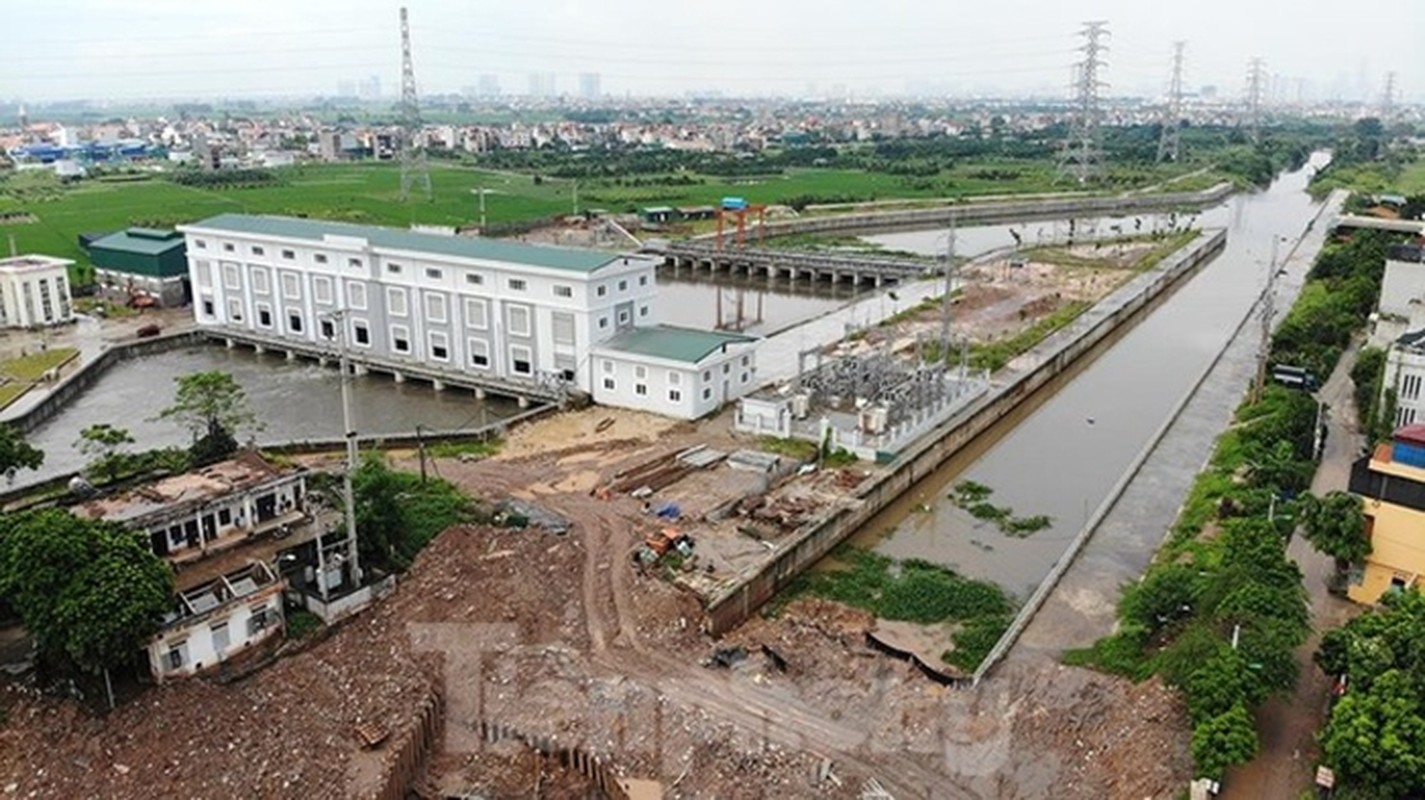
{"type": "Point", "coordinates": [65, 49]}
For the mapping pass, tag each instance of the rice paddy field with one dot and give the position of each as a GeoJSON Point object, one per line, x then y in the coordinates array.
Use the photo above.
{"type": "Point", "coordinates": [50, 220]}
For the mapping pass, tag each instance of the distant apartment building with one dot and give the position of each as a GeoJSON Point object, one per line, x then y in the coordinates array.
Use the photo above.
{"type": "Point", "coordinates": [34, 291]}
{"type": "Point", "coordinates": [511, 317]}
{"type": "Point", "coordinates": [488, 85]}
{"type": "Point", "coordinates": [1391, 484]}
{"type": "Point", "coordinates": [590, 85]}
{"type": "Point", "coordinates": [221, 528]}
{"type": "Point", "coordinates": [541, 84]}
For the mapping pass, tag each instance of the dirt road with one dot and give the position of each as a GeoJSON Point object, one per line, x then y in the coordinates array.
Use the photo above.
{"type": "Point", "coordinates": [1287, 726]}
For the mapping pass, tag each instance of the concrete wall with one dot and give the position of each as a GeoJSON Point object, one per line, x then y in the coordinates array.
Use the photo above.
{"type": "Point", "coordinates": [921, 459]}
{"type": "Point", "coordinates": [998, 212]}
{"type": "Point", "coordinates": [79, 380]}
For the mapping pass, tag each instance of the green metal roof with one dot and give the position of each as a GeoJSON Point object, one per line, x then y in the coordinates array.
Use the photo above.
{"type": "Point", "coordinates": [686, 345]}
{"type": "Point", "coordinates": [144, 241]}
{"type": "Point", "coordinates": [562, 258]}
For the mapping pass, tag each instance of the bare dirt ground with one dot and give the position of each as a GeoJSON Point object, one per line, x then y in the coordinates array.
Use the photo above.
{"type": "Point", "coordinates": [562, 638]}
{"type": "Point", "coordinates": [1000, 299]}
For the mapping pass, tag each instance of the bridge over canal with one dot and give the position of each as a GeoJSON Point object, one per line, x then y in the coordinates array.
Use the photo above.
{"type": "Point", "coordinates": [875, 270]}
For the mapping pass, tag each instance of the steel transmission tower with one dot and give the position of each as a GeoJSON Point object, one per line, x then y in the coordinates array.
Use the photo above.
{"type": "Point", "coordinates": [1083, 153]}
{"type": "Point", "coordinates": [1387, 101]}
{"type": "Point", "coordinates": [1256, 85]}
{"type": "Point", "coordinates": [414, 168]}
{"type": "Point", "coordinates": [1170, 143]}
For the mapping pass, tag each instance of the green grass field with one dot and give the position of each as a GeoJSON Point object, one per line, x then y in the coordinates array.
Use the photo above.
{"type": "Point", "coordinates": [370, 193]}
{"type": "Point", "coordinates": [21, 373]}
{"type": "Point", "coordinates": [367, 193]}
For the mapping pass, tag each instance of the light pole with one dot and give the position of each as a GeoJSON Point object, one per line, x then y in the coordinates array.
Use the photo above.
{"type": "Point", "coordinates": [343, 364]}
{"type": "Point", "coordinates": [482, 191]}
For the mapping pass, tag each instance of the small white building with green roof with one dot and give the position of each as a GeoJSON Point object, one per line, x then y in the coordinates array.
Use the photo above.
{"type": "Point", "coordinates": [676, 372]}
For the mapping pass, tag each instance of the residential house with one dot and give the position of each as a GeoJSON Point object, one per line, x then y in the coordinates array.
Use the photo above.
{"type": "Point", "coordinates": [222, 529]}
{"type": "Point", "coordinates": [1391, 484]}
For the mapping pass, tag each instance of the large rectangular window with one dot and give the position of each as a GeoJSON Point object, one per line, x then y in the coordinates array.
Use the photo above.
{"type": "Point", "coordinates": [400, 339]}
{"type": "Point", "coordinates": [563, 328]}
{"type": "Point", "coordinates": [436, 307]}
{"type": "Point", "coordinates": [294, 322]}
{"type": "Point", "coordinates": [291, 286]}
{"type": "Point", "coordinates": [396, 301]}
{"type": "Point", "coordinates": [479, 353]}
{"type": "Point", "coordinates": [322, 288]}
{"type": "Point", "coordinates": [439, 346]}
{"type": "Point", "coordinates": [230, 277]}
{"type": "Point", "coordinates": [518, 321]}
{"type": "Point", "coordinates": [520, 361]}
{"type": "Point", "coordinates": [264, 315]}
{"type": "Point", "coordinates": [360, 334]}
{"type": "Point", "coordinates": [356, 295]}
{"type": "Point", "coordinates": [475, 314]}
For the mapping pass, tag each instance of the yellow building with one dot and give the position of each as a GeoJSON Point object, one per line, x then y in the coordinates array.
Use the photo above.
{"type": "Point", "coordinates": [1391, 483]}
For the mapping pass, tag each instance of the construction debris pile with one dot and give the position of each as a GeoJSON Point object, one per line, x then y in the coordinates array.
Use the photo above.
{"type": "Point", "coordinates": [642, 480]}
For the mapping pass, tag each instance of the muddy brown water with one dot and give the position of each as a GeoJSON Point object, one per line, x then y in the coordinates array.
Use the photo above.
{"type": "Point", "coordinates": [1060, 454]}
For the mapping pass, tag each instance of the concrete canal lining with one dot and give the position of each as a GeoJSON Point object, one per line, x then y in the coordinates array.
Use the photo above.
{"type": "Point", "coordinates": [1050, 358]}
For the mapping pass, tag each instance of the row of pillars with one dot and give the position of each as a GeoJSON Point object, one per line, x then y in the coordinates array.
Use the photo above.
{"type": "Point", "coordinates": [361, 370]}
{"type": "Point", "coordinates": [773, 272]}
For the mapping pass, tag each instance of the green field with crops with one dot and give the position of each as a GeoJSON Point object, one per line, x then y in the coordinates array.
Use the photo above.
{"type": "Point", "coordinates": [48, 219]}
{"type": "Point", "coordinates": [367, 193]}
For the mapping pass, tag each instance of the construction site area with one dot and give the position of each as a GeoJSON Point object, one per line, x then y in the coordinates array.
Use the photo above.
{"type": "Point", "coordinates": [569, 658]}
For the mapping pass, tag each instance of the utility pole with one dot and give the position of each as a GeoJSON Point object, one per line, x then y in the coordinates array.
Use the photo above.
{"type": "Point", "coordinates": [348, 430]}
{"type": "Point", "coordinates": [1256, 84]}
{"type": "Point", "coordinates": [948, 303]}
{"type": "Point", "coordinates": [1170, 142]}
{"type": "Point", "coordinates": [1268, 310]}
{"type": "Point", "coordinates": [414, 168]}
{"type": "Point", "coordinates": [1083, 153]}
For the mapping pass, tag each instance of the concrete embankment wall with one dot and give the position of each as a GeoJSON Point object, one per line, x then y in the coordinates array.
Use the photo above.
{"type": "Point", "coordinates": [1000, 212]}
{"type": "Point", "coordinates": [817, 538]}
{"type": "Point", "coordinates": [82, 378]}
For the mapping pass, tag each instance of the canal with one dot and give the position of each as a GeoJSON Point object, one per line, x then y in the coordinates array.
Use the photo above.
{"type": "Point", "coordinates": [1061, 459]}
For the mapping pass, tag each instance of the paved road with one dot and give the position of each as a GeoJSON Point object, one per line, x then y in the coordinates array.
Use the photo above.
{"type": "Point", "coordinates": [1287, 726]}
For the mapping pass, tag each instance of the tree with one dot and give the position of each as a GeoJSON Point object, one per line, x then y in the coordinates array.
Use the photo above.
{"type": "Point", "coordinates": [16, 453]}
{"type": "Point", "coordinates": [1376, 738]}
{"type": "Point", "coordinates": [104, 444]}
{"type": "Point", "coordinates": [1220, 684]}
{"type": "Point", "coordinates": [89, 592]}
{"type": "Point", "coordinates": [212, 406]}
{"type": "Point", "coordinates": [1336, 526]}
{"type": "Point", "coordinates": [1223, 741]}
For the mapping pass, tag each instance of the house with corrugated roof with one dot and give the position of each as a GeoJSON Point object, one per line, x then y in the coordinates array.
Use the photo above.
{"type": "Point", "coordinates": [141, 267]}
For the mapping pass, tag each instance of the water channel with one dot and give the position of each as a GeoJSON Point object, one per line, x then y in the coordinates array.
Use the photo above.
{"type": "Point", "coordinates": [1062, 458]}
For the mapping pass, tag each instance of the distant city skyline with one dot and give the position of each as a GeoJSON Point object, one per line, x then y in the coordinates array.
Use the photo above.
{"type": "Point", "coordinates": [131, 49]}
